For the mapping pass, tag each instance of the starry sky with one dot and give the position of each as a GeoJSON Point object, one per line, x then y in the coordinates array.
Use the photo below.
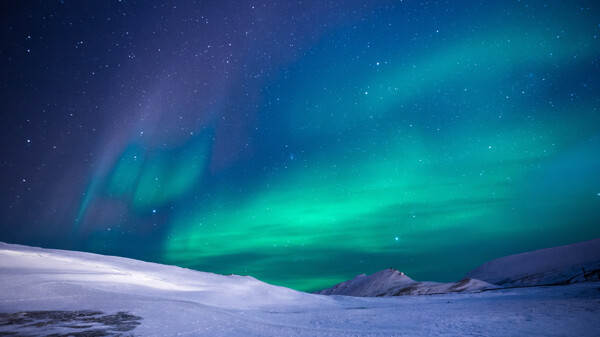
{"type": "Point", "coordinates": [301, 142]}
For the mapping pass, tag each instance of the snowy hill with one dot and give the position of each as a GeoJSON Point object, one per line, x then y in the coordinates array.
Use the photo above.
{"type": "Point", "coordinates": [541, 267]}
{"type": "Point", "coordinates": [47, 292]}
{"type": "Point", "coordinates": [37, 268]}
{"type": "Point", "coordinates": [391, 282]}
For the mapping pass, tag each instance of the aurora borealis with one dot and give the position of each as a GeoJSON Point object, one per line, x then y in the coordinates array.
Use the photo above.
{"type": "Point", "coordinates": [302, 143]}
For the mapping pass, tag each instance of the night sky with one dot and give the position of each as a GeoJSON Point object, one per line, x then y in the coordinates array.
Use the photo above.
{"type": "Point", "coordinates": [301, 142]}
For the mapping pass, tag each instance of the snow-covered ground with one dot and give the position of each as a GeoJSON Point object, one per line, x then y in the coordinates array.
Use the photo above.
{"type": "Point", "coordinates": [45, 292]}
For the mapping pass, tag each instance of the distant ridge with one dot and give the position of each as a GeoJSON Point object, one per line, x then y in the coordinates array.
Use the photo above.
{"type": "Point", "coordinates": [550, 266]}
{"type": "Point", "coordinates": [391, 282]}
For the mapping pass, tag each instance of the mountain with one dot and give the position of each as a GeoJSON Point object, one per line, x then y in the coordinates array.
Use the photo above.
{"type": "Point", "coordinates": [558, 265]}
{"type": "Point", "coordinates": [391, 282]}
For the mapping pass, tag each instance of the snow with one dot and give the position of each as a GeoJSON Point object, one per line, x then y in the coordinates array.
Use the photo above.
{"type": "Point", "coordinates": [45, 292]}
{"type": "Point", "coordinates": [391, 282]}
{"type": "Point", "coordinates": [541, 267]}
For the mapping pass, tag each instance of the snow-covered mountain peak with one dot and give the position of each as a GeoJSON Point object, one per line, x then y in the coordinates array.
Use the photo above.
{"type": "Point", "coordinates": [389, 275]}
{"type": "Point", "coordinates": [367, 285]}
{"type": "Point", "coordinates": [391, 282]}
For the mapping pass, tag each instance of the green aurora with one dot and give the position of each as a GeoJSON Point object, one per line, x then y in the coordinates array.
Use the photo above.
{"type": "Point", "coordinates": [431, 163]}
{"type": "Point", "coordinates": [303, 143]}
